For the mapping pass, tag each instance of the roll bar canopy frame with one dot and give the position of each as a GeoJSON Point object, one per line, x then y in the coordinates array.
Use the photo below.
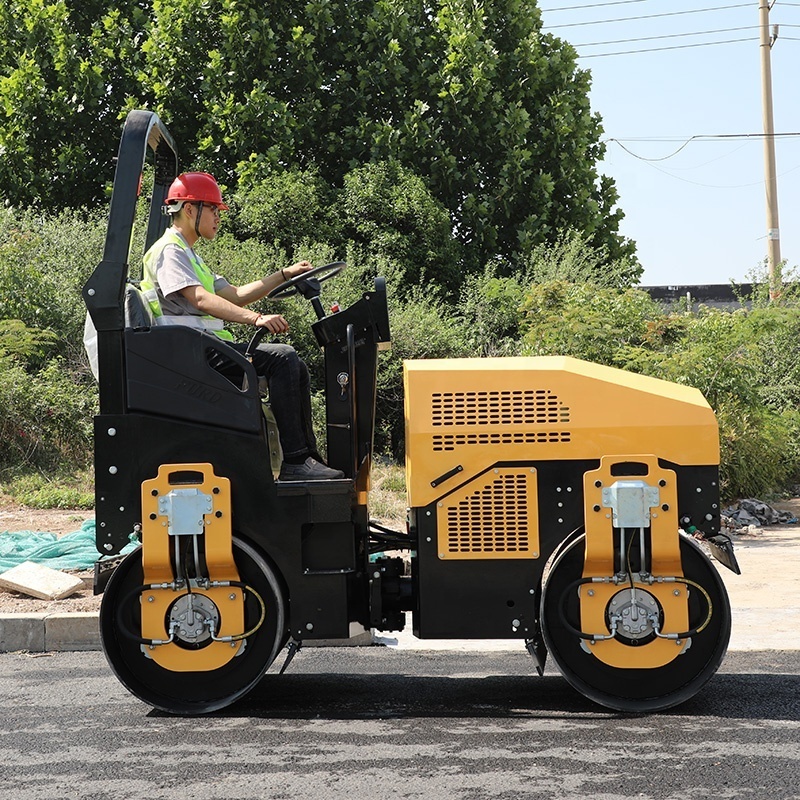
{"type": "Point", "coordinates": [104, 292]}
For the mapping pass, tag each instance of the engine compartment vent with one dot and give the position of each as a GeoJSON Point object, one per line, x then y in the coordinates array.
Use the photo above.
{"type": "Point", "coordinates": [493, 516]}
{"type": "Point", "coordinates": [510, 407]}
{"type": "Point", "coordinates": [449, 441]}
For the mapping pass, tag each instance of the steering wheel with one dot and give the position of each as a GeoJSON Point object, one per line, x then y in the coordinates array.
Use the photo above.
{"type": "Point", "coordinates": [307, 284]}
{"type": "Point", "coordinates": [312, 278]}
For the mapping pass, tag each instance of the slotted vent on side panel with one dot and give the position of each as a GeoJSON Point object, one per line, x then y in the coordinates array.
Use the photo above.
{"type": "Point", "coordinates": [513, 407]}
{"type": "Point", "coordinates": [449, 441]}
{"type": "Point", "coordinates": [493, 516]}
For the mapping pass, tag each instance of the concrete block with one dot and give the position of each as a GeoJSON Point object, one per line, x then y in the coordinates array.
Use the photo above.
{"type": "Point", "coordinates": [22, 632]}
{"type": "Point", "coordinates": [36, 580]}
{"type": "Point", "coordinates": [73, 631]}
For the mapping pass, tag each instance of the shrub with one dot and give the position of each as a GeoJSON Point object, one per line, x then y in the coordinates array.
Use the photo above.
{"type": "Point", "coordinates": [45, 417]}
{"type": "Point", "coordinates": [573, 258]}
{"type": "Point", "coordinates": [44, 263]}
{"type": "Point", "coordinates": [744, 362]}
{"type": "Point", "coordinates": [714, 351]}
{"type": "Point", "coordinates": [47, 396]}
{"type": "Point", "coordinates": [582, 320]}
{"type": "Point", "coordinates": [421, 328]}
{"type": "Point", "coordinates": [491, 308]}
{"type": "Point", "coordinates": [53, 490]}
{"type": "Point", "coordinates": [756, 451]}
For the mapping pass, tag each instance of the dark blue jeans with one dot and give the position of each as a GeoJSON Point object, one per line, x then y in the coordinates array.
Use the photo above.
{"type": "Point", "coordinates": [289, 395]}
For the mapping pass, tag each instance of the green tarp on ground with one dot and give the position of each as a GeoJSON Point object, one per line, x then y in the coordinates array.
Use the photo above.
{"type": "Point", "coordinates": [72, 551]}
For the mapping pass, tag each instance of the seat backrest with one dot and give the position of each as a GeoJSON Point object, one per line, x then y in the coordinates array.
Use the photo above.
{"type": "Point", "coordinates": [137, 309]}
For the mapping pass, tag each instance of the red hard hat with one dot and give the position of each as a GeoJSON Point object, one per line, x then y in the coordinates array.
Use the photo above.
{"type": "Point", "coordinates": [195, 187]}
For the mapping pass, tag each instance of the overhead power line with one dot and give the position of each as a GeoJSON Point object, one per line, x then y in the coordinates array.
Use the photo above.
{"type": "Point", "coordinates": [647, 16]}
{"type": "Point", "coordinates": [695, 138]}
{"type": "Point", "coordinates": [658, 49]}
{"type": "Point", "coordinates": [717, 186]}
{"type": "Point", "coordinates": [593, 5]}
{"type": "Point", "coordinates": [698, 136]}
{"type": "Point", "coordinates": [667, 36]}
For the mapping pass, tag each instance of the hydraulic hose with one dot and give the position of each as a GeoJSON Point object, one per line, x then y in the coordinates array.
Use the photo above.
{"type": "Point", "coordinates": [709, 611]}
{"type": "Point", "coordinates": [261, 603]}
{"type": "Point", "coordinates": [562, 615]}
{"type": "Point", "coordinates": [118, 617]}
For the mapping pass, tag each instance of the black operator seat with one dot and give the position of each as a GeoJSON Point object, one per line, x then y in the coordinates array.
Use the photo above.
{"type": "Point", "coordinates": [137, 310]}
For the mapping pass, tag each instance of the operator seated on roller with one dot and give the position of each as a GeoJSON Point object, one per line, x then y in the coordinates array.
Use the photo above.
{"type": "Point", "coordinates": [182, 290]}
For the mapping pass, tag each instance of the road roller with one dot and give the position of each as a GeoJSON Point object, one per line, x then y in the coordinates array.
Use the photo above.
{"type": "Point", "coordinates": [571, 506]}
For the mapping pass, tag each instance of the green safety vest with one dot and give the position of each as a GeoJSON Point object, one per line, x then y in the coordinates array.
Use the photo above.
{"type": "Point", "coordinates": [204, 275]}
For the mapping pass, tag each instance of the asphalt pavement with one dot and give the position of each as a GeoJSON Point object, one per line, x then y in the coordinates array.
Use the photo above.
{"type": "Point", "coordinates": [382, 722]}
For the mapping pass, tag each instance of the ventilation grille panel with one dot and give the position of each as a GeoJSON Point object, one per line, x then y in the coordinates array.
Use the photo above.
{"type": "Point", "coordinates": [449, 441]}
{"type": "Point", "coordinates": [494, 516]}
{"type": "Point", "coordinates": [513, 407]}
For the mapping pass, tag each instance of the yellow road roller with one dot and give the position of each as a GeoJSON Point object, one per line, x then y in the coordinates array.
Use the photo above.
{"type": "Point", "coordinates": [568, 505]}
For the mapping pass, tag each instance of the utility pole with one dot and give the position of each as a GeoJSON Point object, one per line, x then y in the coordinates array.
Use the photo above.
{"type": "Point", "coordinates": [770, 178]}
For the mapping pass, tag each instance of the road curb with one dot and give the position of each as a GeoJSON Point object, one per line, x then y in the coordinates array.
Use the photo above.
{"type": "Point", "coordinates": [60, 632]}
{"type": "Point", "coordinates": [49, 633]}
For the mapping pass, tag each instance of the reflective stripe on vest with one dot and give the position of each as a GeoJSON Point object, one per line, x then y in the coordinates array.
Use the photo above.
{"type": "Point", "coordinates": [192, 321]}
{"type": "Point", "coordinates": [204, 275]}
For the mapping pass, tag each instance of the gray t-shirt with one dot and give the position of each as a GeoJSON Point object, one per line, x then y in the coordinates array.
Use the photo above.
{"type": "Point", "coordinates": [174, 272]}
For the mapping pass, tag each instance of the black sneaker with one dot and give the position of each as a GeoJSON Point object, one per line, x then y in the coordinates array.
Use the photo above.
{"type": "Point", "coordinates": [309, 470]}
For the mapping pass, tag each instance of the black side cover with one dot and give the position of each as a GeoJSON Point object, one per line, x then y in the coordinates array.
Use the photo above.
{"type": "Point", "coordinates": [168, 374]}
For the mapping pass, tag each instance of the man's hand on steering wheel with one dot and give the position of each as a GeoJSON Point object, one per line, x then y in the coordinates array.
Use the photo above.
{"type": "Point", "coordinates": [296, 269]}
{"type": "Point", "coordinates": [275, 323]}
{"type": "Point", "coordinates": [303, 273]}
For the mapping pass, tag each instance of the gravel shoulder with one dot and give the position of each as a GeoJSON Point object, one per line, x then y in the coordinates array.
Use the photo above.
{"type": "Point", "coordinates": [14, 517]}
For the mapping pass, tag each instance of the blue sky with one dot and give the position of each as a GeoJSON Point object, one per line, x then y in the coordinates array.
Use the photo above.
{"type": "Point", "coordinates": [699, 215]}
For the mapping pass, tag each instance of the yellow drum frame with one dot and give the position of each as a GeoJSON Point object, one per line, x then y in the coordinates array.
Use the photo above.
{"type": "Point", "coordinates": [156, 548]}
{"type": "Point", "coordinates": [665, 562]}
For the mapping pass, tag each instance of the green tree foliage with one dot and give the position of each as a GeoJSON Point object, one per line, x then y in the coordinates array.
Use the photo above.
{"type": "Point", "coordinates": [383, 210]}
{"type": "Point", "coordinates": [389, 210]}
{"type": "Point", "coordinates": [68, 68]}
{"type": "Point", "coordinates": [283, 208]}
{"type": "Point", "coordinates": [492, 114]}
{"type": "Point", "coordinates": [471, 96]}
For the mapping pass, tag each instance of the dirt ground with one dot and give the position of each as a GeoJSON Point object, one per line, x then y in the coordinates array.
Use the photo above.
{"type": "Point", "coordinates": [59, 521]}
{"type": "Point", "coordinates": [50, 520]}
